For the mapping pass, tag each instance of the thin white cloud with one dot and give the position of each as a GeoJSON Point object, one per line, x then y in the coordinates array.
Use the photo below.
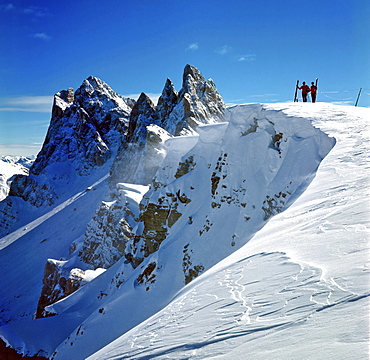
{"type": "Point", "coordinates": [247, 58]}
{"type": "Point", "coordinates": [228, 50]}
{"type": "Point", "coordinates": [27, 103]}
{"type": "Point", "coordinates": [267, 98]}
{"type": "Point", "coordinates": [19, 149]}
{"type": "Point", "coordinates": [223, 50]}
{"type": "Point", "coordinates": [7, 7]}
{"type": "Point", "coordinates": [263, 95]}
{"type": "Point", "coordinates": [192, 47]}
{"type": "Point", "coordinates": [42, 36]}
{"type": "Point", "coordinates": [234, 102]}
{"type": "Point", "coordinates": [36, 11]}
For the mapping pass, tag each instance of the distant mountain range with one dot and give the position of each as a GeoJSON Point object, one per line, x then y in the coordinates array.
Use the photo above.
{"type": "Point", "coordinates": [9, 166]}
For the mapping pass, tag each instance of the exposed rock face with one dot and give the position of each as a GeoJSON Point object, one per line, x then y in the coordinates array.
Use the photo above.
{"type": "Point", "coordinates": [33, 191]}
{"type": "Point", "coordinates": [84, 126]}
{"type": "Point", "coordinates": [107, 233]}
{"type": "Point", "coordinates": [167, 101]}
{"type": "Point", "coordinates": [85, 130]}
{"type": "Point", "coordinates": [143, 114]}
{"type": "Point", "coordinates": [62, 100]}
{"type": "Point", "coordinates": [7, 216]}
{"type": "Point", "coordinates": [58, 283]}
{"type": "Point", "coordinates": [61, 278]}
{"type": "Point", "coordinates": [159, 211]}
{"type": "Point", "coordinates": [156, 218]}
{"type": "Point", "coordinates": [198, 102]}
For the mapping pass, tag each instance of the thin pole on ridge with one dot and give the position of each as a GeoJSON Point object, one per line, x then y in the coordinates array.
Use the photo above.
{"type": "Point", "coordinates": [316, 82]}
{"type": "Point", "coordinates": [358, 96]}
{"type": "Point", "coordinates": [296, 91]}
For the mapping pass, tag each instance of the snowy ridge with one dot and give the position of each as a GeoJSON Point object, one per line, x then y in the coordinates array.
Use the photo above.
{"type": "Point", "coordinates": [298, 289]}
{"type": "Point", "coordinates": [244, 230]}
{"type": "Point", "coordinates": [219, 184]}
{"type": "Point", "coordinates": [203, 181]}
{"type": "Point", "coordinates": [255, 297]}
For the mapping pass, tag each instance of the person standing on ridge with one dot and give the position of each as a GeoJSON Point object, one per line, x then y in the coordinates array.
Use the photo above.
{"type": "Point", "coordinates": [313, 91]}
{"type": "Point", "coordinates": [305, 90]}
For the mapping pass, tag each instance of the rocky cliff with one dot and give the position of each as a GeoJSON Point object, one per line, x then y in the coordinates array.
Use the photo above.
{"type": "Point", "coordinates": [98, 115]}
{"type": "Point", "coordinates": [85, 130]}
{"type": "Point", "coordinates": [178, 113]}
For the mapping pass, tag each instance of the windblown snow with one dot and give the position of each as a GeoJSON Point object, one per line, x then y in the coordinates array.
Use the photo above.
{"type": "Point", "coordinates": [260, 249]}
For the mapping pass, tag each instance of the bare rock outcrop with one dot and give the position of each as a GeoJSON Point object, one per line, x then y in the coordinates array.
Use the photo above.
{"type": "Point", "coordinates": [58, 282]}
{"type": "Point", "coordinates": [107, 234]}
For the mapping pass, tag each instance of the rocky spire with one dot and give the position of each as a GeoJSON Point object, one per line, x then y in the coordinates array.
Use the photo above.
{"type": "Point", "coordinates": [191, 75]}
{"type": "Point", "coordinates": [143, 114]}
{"type": "Point", "coordinates": [167, 100]}
{"type": "Point", "coordinates": [198, 102]}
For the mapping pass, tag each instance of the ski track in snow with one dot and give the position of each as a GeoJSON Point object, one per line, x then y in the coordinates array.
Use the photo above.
{"type": "Point", "coordinates": [267, 292]}
{"type": "Point", "coordinates": [15, 235]}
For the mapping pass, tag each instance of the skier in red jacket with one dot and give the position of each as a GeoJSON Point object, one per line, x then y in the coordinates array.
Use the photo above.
{"type": "Point", "coordinates": [305, 90]}
{"type": "Point", "coordinates": [313, 92]}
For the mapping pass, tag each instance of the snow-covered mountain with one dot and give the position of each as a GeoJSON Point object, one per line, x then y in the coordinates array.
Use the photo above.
{"type": "Point", "coordinates": [139, 222]}
{"type": "Point", "coordinates": [10, 166]}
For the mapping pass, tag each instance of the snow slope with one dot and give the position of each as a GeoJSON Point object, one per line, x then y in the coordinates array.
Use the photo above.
{"type": "Point", "coordinates": [296, 288]}
{"type": "Point", "coordinates": [299, 289]}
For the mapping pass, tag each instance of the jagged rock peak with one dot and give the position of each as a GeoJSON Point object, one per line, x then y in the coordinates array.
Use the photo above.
{"type": "Point", "coordinates": [198, 102]}
{"type": "Point", "coordinates": [86, 129]}
{"type": "Point", "coordinates": [95, 117]}
{"type": "Point", "coordinates": [167, 100]}
{"type": "Point", "coordinates": [193, 72]}
{"type": "Point", "coordinates": [144, 99]}
{"type": "Point", "coordinates": [143, 114]}
{"type": "Point", "coordinates": [92, 84]}
{"type": "Point", "coordinates": [95, 88]}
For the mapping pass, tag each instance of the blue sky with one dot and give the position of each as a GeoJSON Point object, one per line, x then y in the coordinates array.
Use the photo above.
{"type": "Point", "coordinates": [255, 51]}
